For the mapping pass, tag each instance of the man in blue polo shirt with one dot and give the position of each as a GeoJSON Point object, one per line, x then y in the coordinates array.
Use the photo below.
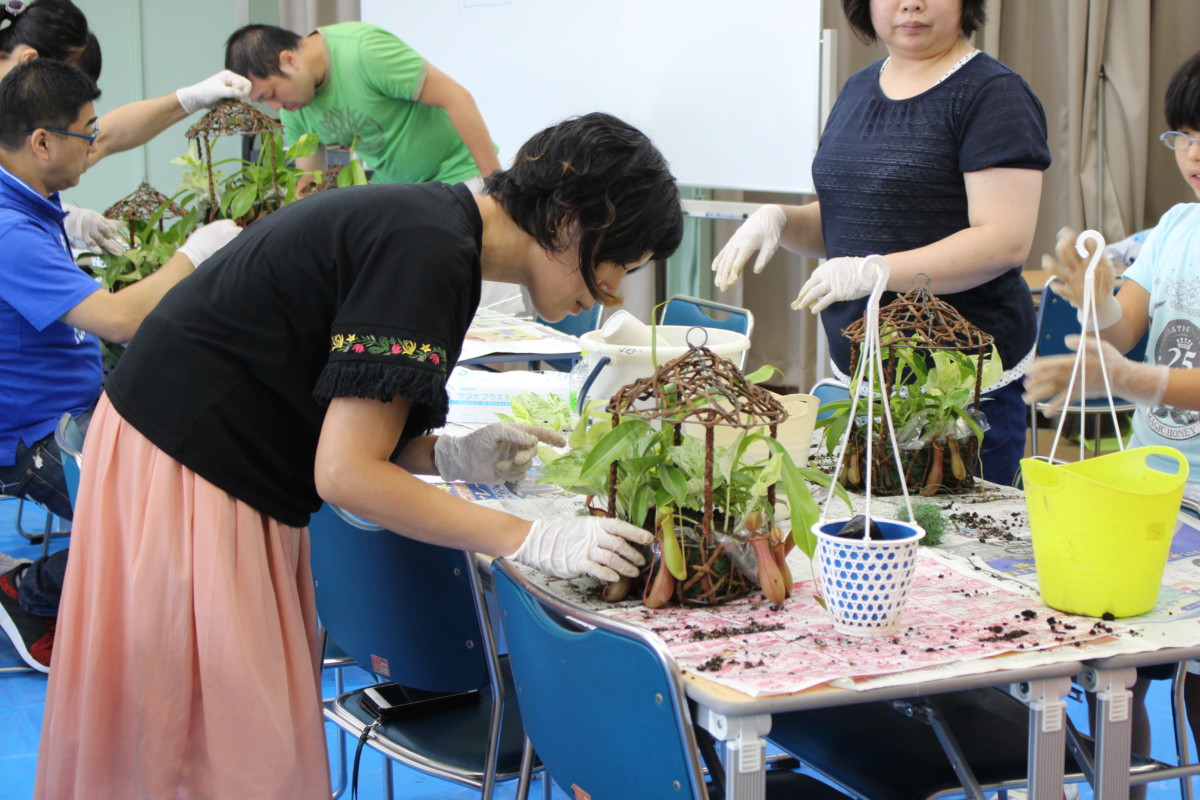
{"type": "Point", "coordinates": [51, 313]}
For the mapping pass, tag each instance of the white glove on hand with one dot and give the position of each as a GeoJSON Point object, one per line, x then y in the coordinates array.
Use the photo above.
{"type": "Point", "coordinates": [761, 231]}
{"type": "Point", "coordinates": [93, 231]}
{"type": "Point", "coordinates": [1048, 377]}
{"type": "Point", "coordinates": [1069, 271]}
{"type": "Point", "coordinates": [498, 453]}
{"type": "Point", "coordinates": [207, 93]}
{"type": "Point", "coordinates": [843, 278]}
{"type": "Point", "coordinates": [572, 546]}
{"type": "Point", "coordinates": [208, 239]}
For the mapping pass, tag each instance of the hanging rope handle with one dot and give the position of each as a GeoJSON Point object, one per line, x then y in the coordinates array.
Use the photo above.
{"type": "Point", "coordinates": [1087, 315]}
{"type": "Point", "coordinates": [870, 354]}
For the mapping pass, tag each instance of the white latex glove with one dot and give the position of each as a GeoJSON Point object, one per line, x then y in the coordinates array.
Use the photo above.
{"type": "Point", "coordinates": [1069, 270]}
{"type": "Point", "coordinates": [572, 546]}
{"type": "Point", "coordinates": [92, 231]}
{"type": "Point", "coordinates": [208, 239]}
{"type": "Point", "coordinates": [1048, 377]}
{"type": "Point", "coordinates": [207, 93]}
{"type": "Point", "coordinates": [843, 278]}
{"type": "Point", "coordinates": [761, 232]}
{"type": "Point", "coordinates": [498, 453]}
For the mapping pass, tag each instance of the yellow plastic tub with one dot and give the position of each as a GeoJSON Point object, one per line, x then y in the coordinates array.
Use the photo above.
{"type": "Point", "coordinates": [1102, 528]}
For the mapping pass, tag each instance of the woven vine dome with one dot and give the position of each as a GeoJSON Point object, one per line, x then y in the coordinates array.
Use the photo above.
{"type": "Point", "coordinates": [143, 203]}
{"type": "Point", "coordinates": [918, 319]}
{"type": "Point", "coordinates": [233, 118]}
{"type": "Point", "coordinates": [702, 387]}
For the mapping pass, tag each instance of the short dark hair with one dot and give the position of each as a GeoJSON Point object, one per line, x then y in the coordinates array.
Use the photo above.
{"type": "Point", "coordinates": [56, 29]}
{"type": "Point", "coordinates": [1182, 104]}
{"type": "Point", "coordinates": [41, 93]}
{"type": "Point", "coordinates": [90, 60]}
{"type": "Point", "coordinates": [601, 176]}
{"type": "Point", "coordinates": [253, 50]}
{"type": "Point", "coordinates": [858, 14]}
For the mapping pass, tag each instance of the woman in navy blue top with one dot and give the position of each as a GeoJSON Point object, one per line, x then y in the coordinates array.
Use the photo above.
{"type": "Point", "coordinates": [932, 158]}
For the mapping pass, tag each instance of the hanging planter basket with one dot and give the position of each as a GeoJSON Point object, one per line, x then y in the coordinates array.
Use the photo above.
{"type": "Point", "coordinates": [235, 118]}
{"type": "Point", "coordinates": [701, 389]}
{"type": "Point", "coordinates": [866, 564]}
{"type": "Point", "coordinates": [143, 204]}
{"type": "Point", "coordinates": [941, 449]}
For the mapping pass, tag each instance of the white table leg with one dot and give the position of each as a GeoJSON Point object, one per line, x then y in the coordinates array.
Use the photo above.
{"type": "Point", "coordinates": [743, 751]}
{"type": "Point", "coordinates": [1047, 734]}
{"type": "Point", "coordinates": [1113, 727]}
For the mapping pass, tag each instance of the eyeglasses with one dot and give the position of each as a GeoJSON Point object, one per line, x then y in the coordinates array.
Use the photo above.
{"type": "Point", "coordinates": [89, 137]}
{"type": "Point", "coordinates": [1178, 141]}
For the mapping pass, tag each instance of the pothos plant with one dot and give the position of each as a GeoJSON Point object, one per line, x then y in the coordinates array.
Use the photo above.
{"type": "Point", "coordinates": [152, 244]}
{"type": "Point", "coordinates": [252, 189]}
{"type": "Point", "coordinates": [660, 484]}
{"type": "Point", "coordinates": [932, 404]}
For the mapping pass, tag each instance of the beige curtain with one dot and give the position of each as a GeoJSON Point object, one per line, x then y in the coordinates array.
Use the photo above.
{"type": "Point", "coordinates": [302, 16]}
{"type": "Point", "coordinates": [1088, 61]}
{"type": "Point", "coordinates": [1101, 68]}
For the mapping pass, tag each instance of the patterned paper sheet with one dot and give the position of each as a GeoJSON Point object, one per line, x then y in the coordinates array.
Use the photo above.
{"type": "Point", "coordinates": [494, 334]}
{"type": "Point", "coordinates": [950, 616]}
{"type": "Point", "coordinates": [972, 598]}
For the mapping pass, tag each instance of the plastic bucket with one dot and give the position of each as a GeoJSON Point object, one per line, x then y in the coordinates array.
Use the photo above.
{"type": "Point", "coordinates": [1102, 528]}
{"type": "Point", "coordinates": [866, 581]}
{"type": "Point", "coordinates": [612, 366]}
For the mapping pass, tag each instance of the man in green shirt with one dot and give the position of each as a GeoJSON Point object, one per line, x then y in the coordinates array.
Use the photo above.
{"type": "Point", "coordinates": [357, 84]}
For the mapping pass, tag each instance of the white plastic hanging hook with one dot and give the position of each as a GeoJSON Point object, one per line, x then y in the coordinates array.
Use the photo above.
{"type": "Point", "coordinates": [870, 366]}
{"type": "Point", "coordinates": [877, 264]}
{"type": "Point", "coordinates": [1086, 317]}
{"type": "Point", "coordinates": [1089, 276]}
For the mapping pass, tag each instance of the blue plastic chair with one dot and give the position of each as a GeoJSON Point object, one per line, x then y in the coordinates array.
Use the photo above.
{"type": "Point", "coordinates": [826, 391]}
{"type": "Point", "coordinates": [70, 442]}
{"type": "Point", "coordinates": [603, 703]}
{"type": "Point", "coordinates": [573, 325]}
{"type": "Point", "coordinates": [413, 614]}
{"type": "Point", "coordinates": [685, 310]}
{"type": "Point", "coordinates": [1056, 319]}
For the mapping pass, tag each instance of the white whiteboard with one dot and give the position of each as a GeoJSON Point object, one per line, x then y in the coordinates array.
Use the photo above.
{"type": "Point", "coordinates": [729, 90]}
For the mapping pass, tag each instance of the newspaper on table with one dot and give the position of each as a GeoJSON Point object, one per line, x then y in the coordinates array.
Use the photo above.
{"type": "Point", "coordinates": [493, 334]}
{"type": "Point", "coordinates": [973, 609]}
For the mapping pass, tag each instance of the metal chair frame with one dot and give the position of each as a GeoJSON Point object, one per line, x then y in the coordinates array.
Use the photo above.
{"type": "Point", "coordinates": [341, 710]}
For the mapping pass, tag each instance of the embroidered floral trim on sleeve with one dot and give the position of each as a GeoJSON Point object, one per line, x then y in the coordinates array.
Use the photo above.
{"type": "Point", "coordinates": [387, 345]}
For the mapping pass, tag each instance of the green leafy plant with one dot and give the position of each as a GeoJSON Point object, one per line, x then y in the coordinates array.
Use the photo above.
{"type": "Point", "coordinates": [353, 174]}
{"type": "Point", "coordinates": [152, 245]}
{"type": "Point", "coordinates": [251, 189]}
{"type": "Point", "coordinates": [931, 400]}
{"type": "Point", "coordinates": [659, 485]}
{"type": "Point", "coordinates": [546, 410]}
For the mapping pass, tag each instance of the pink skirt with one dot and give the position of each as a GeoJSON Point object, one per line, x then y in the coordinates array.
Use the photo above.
{"type": "Point", "coordinates": [185, 659]}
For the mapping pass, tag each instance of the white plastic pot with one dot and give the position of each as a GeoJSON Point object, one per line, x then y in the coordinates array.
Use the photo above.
{"type": "Point", "coordinates": [611, 365]}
